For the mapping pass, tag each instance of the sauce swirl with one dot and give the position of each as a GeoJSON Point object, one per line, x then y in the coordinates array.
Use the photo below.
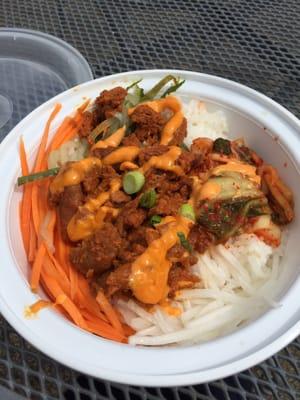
{"type": "Point", "coordinates": [149, 273]}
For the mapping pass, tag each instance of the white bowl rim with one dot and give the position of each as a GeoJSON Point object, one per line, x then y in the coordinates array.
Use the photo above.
{"type": "Point", "coordinates": [165, 379]}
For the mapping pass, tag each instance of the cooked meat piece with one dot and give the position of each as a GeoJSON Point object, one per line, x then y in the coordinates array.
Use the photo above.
{"type": "Point", "coordinates": [110, 101]}
{"type": "Point", "coordinates": [107, 174]}
{"type": "Point", "coordinates": [98, 251]}
{"type": "Point", "coordinates": [130, 253]}
{"type": "Point", "coordinates": [169, 183]}
{"type": "Point", "coordinates": [91, 180]}
{"type": "Point", "coordinates": [167, 205]}
{"type": "Point", "coordinates": [175, 252]}
{"type": "Point", "coordinates": [131, 216]}
{"type": "Point", "coordinates": [119, 198]}
{"type": "Point", "coordinates": [118, 279]}
{"type": "Point", "coordinates": [189, 161]}
{"type": "Point", "coordinates": [101, 153]}
{"type": "Point", "coordinates": [200, 239]}
{"type": "Point", "coordinates": [151, 234]}
{"type": "Point", "coordinates": [89, 122]}
{"type": "Point", "coordinates": [180, 278]}
{"type": "Point", "coordinates": [143, 235]}
{"type": "Point", "coordinates": [148, 123]}
{"type": "Point", "coordinates": [179, 134]}
{"type": "Point", "coordinates": [179, 255]}
{"type": "Point", "coordinates": [151, 151]}
{"type": "Point", "coordinates": [131, 140]}
{"type": "Point", "coordinates": [202, 146]}
{"type": "Point", "coordinates": [69, 201]}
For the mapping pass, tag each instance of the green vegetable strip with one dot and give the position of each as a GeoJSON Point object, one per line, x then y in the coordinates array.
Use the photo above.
{"type": "Point", "coordinates": [133, 182]}
{"type": "Point", "coordinates": [222, 146]}
{"type": "Point", "coordinates": [155, 219]}
{"type": "Point", "coordinates": [148, 199]}
{"type": "Point", "coordinates": [156, 88]}
{"type": "Point", "coordinates": [100, 129]}
{"type": "Point", "coordinates": [187, 211]}
{"type": "Point", "coordinates": [173, 88]}
{"type": "Point", "coordinates": [184, 147]}
{"type": "Point", "coordinates": [134, 84]}
{"type": "Point", "coordinates": [184, 242]}
{"type": "Point", "coordinates": [37, 176]}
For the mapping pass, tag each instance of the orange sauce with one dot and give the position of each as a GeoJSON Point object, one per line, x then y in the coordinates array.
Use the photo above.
{"type": "Point", "coordinates": [149, 273]}
{"type": "Point", "coordinates": [209, 190]}
{"type": "Point", "coordinates": [128, 165]}
{"type": "Point", "coordinates": [166, 161]}
{"type": "Point", "coordinates": [169, 309]}
{"type": "Point", "coordinates": [125, 153]}
{"type": "Point", "coordinates": [112, 141]}
{"type": "Point", "coordinates": [91, 215]}
{"type": "Point", "coordinates": [171, 127]}
{"type": "Point", "coordinates": [73, 174]}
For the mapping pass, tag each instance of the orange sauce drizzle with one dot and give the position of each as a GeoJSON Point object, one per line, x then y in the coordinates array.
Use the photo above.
{"type": "Point", "coordinates": [149, 272]}
{"type": "Point", "coordinates": [73, 174]}
{"type": "Point", "coordinates": [166, 161]}
{"type": "Point", "coordinates": [91, 215]}
{"type": "Point", "coordinates": [112, 141]}
{"type": "Point", "coordinates": [125, 153]}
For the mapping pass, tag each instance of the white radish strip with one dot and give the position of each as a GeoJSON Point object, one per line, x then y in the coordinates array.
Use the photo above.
{"type": "Point", "coordinates": [196, 302]}
{"type": "Point", "coordinates": [140, 311]}
{"type": "Point", "coordinates": [204, 276]}
{"type": "Point", "coordinates": [234, 262]}
{"type": "Point", "coordinates": [220, 272]}
{"type": "Point", "coordinates": [212, 282]}
{"type": "Point", "coordinates": [206, 313]}
{"type": "Point", "coordinates": [234, 271]}
{"type": "Point", "coordinates": [219, 318]}
{"type": "Point", "coordinates": [152, 331]}
{"type": "Point", "coordinates": [187, 304]}
{"type": "Point", "coordinates": [139, 324]}
{"type": "Point", "coordinates": [198, 294]}
{"type": "Point", "coordinates": [191, 313]}
{"type": "Point", "coordinates": [162, 322]}
{"type": "Point", "coordinates": [127, 314]}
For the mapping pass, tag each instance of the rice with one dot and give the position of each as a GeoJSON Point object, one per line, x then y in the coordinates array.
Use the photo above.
{"type": "Point", "coordinates": [200, 122]}
{"type": "Point", "coordinates": [237, 279]}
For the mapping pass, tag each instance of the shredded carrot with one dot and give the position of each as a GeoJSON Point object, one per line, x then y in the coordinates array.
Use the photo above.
{"type": "Point", "coordinates": [101, 330]}
{"type": "Point", "coordinates": [109, 311]}
{"type": "Point", "coordinates": [36, 307]}
{"type": "Point", "coordinates": [68, 290]}
{"type": "Point", "coordinates": [25, 213]}
{"type": "Point", "coordinates": [37, 267]}
{"type": "Point", "coordinates": [69, 128]}
{"type": "Point", "coordinates": [43, 144]}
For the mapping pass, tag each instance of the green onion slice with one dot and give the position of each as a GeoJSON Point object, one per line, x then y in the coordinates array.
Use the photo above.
{"type": "Point", "coordinates": [187, 211]}
{"type": "Point", "coordinates": [184, 242]}
{"type": "Point", "coordinates": [148, 199]}
{"type": "Point", "coordinates": [37, 176]}
{"type": "Point", "coordinates": [133, 182]}
{"type": "Point", "coordinates": [155, 219]}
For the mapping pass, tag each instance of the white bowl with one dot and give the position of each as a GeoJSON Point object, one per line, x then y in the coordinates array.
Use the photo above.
{"type": "Point", "coordinates": [267, 127]}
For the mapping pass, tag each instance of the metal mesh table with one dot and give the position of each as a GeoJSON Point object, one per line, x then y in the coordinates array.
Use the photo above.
{"type": "Point", "coordinates": [255, 42]}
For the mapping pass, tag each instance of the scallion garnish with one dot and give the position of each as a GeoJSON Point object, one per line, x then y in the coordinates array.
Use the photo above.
{"type": "Point", "coordinates": [37, 176]}
{"type": "Point", "coordinates": [148, 199]}
{"type": "Point", "coordinates": [133, 182]}
{"type": "Point", "coordinates": [184, 242]}
{"type": "Point", "coordinates": [187, 211]}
